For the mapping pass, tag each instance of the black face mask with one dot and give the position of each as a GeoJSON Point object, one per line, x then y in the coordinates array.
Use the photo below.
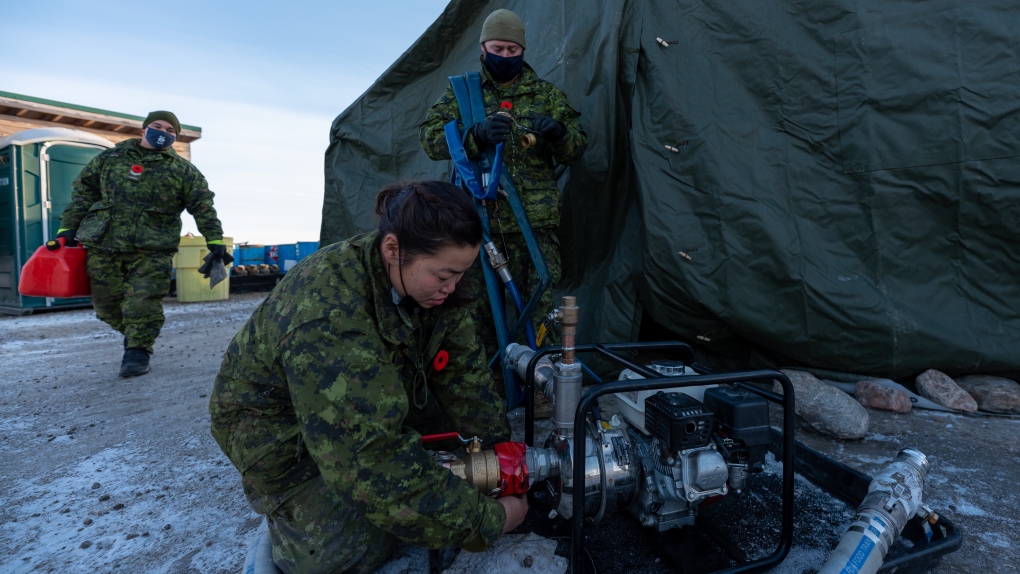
{"type": "Point", "coordinates": [504, 69]}
{"type": "Point", "coordinates": [159, 139]}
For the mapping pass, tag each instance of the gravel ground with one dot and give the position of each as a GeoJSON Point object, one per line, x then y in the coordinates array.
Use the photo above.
{"type": "Point", "coordinates": [103, 474]}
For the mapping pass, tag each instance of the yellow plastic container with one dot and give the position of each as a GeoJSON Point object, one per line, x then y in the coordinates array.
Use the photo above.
{"type": "Point", "coordinates": [191, 286]}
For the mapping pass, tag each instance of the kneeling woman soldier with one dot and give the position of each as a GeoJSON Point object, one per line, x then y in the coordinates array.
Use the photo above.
{"type": "Point", "coordinates": [324, 393]}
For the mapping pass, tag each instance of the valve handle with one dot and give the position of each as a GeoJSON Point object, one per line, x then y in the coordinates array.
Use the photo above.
{"type": "Point", "coordinates": [439, 437]}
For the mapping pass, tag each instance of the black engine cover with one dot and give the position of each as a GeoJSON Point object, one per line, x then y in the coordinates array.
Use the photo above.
{"type": "Point", "coordinates": [742, 415]}
{"type": "Point", "coordinates": [678, 420]}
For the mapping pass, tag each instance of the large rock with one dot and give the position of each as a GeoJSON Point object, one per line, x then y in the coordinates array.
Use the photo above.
{"type": "Point", "coordinates": [941, 388]}
{"type": "Point", "coordinates": [874, 395]}
{"type": "Point", "coordinates": [993, 394]}
{"type": "Point", "coordinates": [826, 409]}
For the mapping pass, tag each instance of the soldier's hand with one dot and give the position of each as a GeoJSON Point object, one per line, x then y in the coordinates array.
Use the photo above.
{"type": "Point", "coordinates": [550, 129]}
{"type": "Point", "coordinates": [219, 252]}
{"type": "Point", "coordinates": [68, 235]}
{"type": "Point", "coordinates": [493, 130]}
{"type": "Point", "coordinates": [516, 507]}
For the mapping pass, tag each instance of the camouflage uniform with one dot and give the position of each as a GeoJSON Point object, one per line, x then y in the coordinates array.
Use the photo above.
{"type": "Point", "coordinates": [131, 223]}
{"type": "Point", "coordinates": [320, 404]}
{"type": "Point", "coordinates": [531, 170]}
{"type": "Point", "coordinates": [128, 291]}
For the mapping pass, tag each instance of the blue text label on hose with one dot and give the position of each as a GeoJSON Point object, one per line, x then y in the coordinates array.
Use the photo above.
{"type": "Point", "coordinates": [859, 556]}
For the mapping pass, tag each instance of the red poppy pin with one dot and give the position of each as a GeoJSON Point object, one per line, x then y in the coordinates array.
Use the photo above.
{"type": "Point", "coordinates": [441, 360]}
{"type": "Point", "coordinates": [136, 169]}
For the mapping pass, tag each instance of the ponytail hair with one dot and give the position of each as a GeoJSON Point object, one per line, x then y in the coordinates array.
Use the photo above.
{"type": "Point", "coordinates": [426, 216]}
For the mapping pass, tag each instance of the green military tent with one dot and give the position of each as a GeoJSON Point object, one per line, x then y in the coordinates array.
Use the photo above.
{"type": "Point", "coordinates": [824, 183]}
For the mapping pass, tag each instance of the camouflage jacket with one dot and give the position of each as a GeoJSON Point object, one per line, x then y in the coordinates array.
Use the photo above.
{"type": "Point", "coordinates": [324, 378]}
{"type": "Point", "coordinates": [129, 199]}
{"type": "Point", "coordinates": [531, 169]}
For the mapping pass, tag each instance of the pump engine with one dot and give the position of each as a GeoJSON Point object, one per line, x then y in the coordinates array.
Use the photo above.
{"type": "Point", "coordinates": [660, 464]}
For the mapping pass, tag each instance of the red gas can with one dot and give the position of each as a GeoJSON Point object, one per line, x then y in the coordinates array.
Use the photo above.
{"type": "Point", "coordinates": [55, 270]}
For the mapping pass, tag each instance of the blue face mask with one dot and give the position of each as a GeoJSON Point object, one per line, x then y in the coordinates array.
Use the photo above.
{"type": "Point", "coordinates": [158, 139]}
{"type": "Point", "coordinates": [504, 69]}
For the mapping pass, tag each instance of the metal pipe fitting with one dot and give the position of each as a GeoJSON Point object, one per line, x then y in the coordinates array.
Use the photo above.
{"type": "Point", "coordinates": [479, 469]}
{"type": "Point", "coordinates": [519, 356]}
{"type": "Point", "coordinates": [894, 497]}
{"type": "Point", "coordinates": [569, 312]}
{"type": "Point", "coordinates": [528, 140]}
{"type": "Point", "coordinates": [567, 394]}
{"type": "Point", "coordinates": [498, 261]}
{"type": "Point", "coordinates": [542, 464]}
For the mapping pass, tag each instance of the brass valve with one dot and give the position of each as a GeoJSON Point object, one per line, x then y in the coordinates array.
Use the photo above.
{"type": "Point", "coordinates": [528, 138]}
{"type": "Point", "coordinates": [479, 468]}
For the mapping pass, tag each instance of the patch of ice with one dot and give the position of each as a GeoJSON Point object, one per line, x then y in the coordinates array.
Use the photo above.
{"type": "Point", "coordinates": [878, 437]}
{"type": "Point", "coordinates": [11, 422]}
{"type": "Point", "coordinates": [48, 319]}
{"type": "Point", "coordinates": [874, 460]}
{"type": "Point", "coordinates": [949, 469]}
{"type": "Point", "coordinates": [997, 539]}
{"type": "Point", "coordinates": [968, 509]}
{"type": "Point", "coordinates": [802, 559]}
{"type": "Point", "coordinates": [48, 344]}
{"type": "Point", "coordinates": [127, 515]}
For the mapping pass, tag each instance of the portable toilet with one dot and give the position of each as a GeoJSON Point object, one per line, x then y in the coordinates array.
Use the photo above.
{"type": "Point", "coordinates": [37, 167]}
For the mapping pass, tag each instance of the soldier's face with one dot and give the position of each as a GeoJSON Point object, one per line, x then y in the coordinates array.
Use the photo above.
{"type": "Point", "coordinates": [502, 48]}
{"type": "Point", "coordinates": [430, 279]}
{"type": "Point", "coordinates": [158, 125]}
{"type": "Point", "coordinates": [163, 126]}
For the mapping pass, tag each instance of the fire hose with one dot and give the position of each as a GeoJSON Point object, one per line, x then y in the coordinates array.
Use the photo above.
{"type": "Point", "coordinates": [894, 497]}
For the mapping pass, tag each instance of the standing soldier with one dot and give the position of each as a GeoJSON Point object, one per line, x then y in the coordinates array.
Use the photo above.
{"type": "Point", "coordinates": [538, 107]}
{"type": "Point", "coordinates": [126, 208]}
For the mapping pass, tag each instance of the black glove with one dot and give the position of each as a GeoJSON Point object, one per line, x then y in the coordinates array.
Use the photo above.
{"type": "Point", "coordinates": [551, 130]}
{"type": "Point", "coordinates": [493, 130]}
{"type": "Point", "coordinates": [68, 235]}
{"type": "Point", "coordinates": [217, 255]}
{"type": "Point", "coordinates": [219, 252]}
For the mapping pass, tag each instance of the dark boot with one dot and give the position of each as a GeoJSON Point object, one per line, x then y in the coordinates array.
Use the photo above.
{"type": "Point", "coordinates": [136, 362]}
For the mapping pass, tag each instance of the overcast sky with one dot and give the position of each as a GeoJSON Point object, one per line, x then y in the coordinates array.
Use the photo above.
{"type": "Point", "coordinates": [264, 81]}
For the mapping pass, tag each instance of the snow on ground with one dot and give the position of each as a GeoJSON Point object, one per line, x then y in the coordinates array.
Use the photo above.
{"type": "Point", "coordinates": [109, 505]}
{"type": "Point", "coordinates": [102, 474]}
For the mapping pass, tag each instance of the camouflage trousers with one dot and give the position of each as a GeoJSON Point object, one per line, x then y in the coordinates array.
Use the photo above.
{"type": "Point", "coordinates": [513, 246]}
{"type": "Point", "coordinates": [314, 532]}
{"type": "Point", "coordinates": [128, 291]}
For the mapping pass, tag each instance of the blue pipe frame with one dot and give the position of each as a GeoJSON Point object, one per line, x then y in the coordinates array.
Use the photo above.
{"type": "Point", "coordinates": [468, 174]}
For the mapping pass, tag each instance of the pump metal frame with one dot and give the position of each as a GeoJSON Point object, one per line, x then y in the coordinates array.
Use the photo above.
{"type": "Point", "coordinates": [655, 381]}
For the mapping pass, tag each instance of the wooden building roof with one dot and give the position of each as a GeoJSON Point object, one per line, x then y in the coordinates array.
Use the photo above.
{"type": "Point", "coordinates": [19, 112]}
